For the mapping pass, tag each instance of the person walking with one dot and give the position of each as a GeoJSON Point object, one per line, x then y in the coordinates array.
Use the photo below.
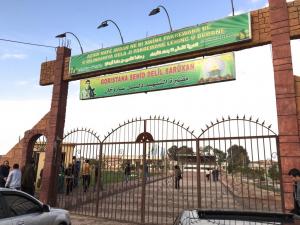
{"type": "Point", "coordinates": [4, 171]}
{"type": "Point", "coordinates": [127, 172]}
{"type": "Point", "coordinates": [69, 179]}
{"type": "Point", "coordinates": [14, 178]}
{"type": "Point", "coordinates": [86, 175]}
{"type": "Point", "coordinates": [207, 174]}
{"type": "Point", "coordinates": [146, 171]}
{"type": "Point", "coordinates": [178, 176]}
{"type": "Point", "coordinates": [28, 178]}
{"type": "Point", "coordinates": [295, 173]}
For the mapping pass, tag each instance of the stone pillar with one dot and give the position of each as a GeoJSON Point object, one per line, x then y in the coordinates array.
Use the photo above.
{"type": "Point", "coordinates": [55, 129]}
{"type": "Point", "coordinates": [289, 151]}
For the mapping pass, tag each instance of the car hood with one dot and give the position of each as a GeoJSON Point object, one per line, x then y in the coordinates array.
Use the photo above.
{"type": "Point", "coordinates": [56, 210]}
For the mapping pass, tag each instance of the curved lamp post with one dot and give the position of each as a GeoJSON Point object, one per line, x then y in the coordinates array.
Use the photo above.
{"type": "Point", "coordinates": [63, 35]}
{"type": "Point", "coordinates": [157, 10]}
{"type": "Point", "coordinates": [105, 24]}
{"type": "Point", "coordinates": [232, 7]}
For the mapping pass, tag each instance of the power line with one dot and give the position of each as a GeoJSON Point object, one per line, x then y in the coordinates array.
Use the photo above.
{"type": "Point", "coordinates": [28, 43]}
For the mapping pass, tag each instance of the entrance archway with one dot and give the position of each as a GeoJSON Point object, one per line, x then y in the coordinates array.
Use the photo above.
{"type": "Point", "coordinates": [38, 156]}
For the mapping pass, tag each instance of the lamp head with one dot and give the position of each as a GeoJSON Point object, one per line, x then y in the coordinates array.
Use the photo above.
{"type": "Point", "coordinates": [103, 24]}
{"type": "Point", "coordinates": [154, 11]}
{"type": "Point", "coordinates": [63, 35]}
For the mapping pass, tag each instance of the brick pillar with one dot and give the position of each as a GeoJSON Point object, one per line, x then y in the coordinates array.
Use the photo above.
{"type": "Point", "coordinates": [289, 153]}
{"type": "Point", "coordinates": [55, 129]}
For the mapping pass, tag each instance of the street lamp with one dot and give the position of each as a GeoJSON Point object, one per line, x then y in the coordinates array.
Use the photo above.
{"type": "Point", "coordinates": [157, 10]}
{"type": "Point", "coordinates": [232, 7]}
{"type": "Point", "coordinates": [105, 24]}
{"type": "Point", "coordinates": [63, 35]}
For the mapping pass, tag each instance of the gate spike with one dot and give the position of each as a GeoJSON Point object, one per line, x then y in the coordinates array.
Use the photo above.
{"type": "Point", "coordinates": [250, 118]}
{"type": "Point", "coordinates": [182, 124]}
{"type": "Point", "coordinates": [150, 117]}
{"type": "Point", "coordinates": [155, 117]}
{"type": "Point", "coordinates": [217, 121]}
{"type": "Point", "coordinates": [168, 119]}
{"type": "Point", "coordinates": [192, 131]}
{"type": "Point", "coordinates": [223, 118]}
{"type": "Point", "coordinates": [237, 116]}
{"type": "Point", "coordinates": [140, 118]}
{"type": "Point", "coordinates": [202, 130]}
{"type": "Point", "coordinates": [244, 117]}
{"type": "Point", "coordinates": [263, 123]}
{"type": "Point", "coordinates": [207, 126]}
{"type": "Point", "coordinates": [174, 121]}
{"type": "Point", "coordinates": [229, 117]}
{"type": "Point", "coordinates": [178, 123]}
{"type": "Point", "coordinates": [188, 128]}
{"type": "Point", "coordinates": [211, 123]}
{"type": "Point", "coordinates": [257, 120]}
{"type": "Point", "coordinates": [163, 117]}
{"type": "Point", "coordinates": [158, 117]}
{"type": "Point", "coordinates": [270, 126]}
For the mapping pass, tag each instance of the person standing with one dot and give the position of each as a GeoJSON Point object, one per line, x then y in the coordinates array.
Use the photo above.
{"type": "Point", "coordinates": [295, 173]}
{"type": "Point", "coordinates": [86, 175]}
{"type": "Point", "coordinates": [217, 174]}
{"type": "Point", "coordinates": [4, 171]}
{"type": "Point", "coordinates": [28, 178]}
{"type": "Point", "coordinates": [207, 174]}
{"type": "Point", "coordinates": [69, 179]}
{"type": "Point", "coordinates": [146, 171]}
{"type": "Point", "coordinates": [14, 178]}
{"type": "Point", "coordinates": [178, 176]}
{"type": "Point", "coordinates": [127, 172]}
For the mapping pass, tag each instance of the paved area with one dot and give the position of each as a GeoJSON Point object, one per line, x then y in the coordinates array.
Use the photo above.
{"type": "Point", "coordinates": [163, 202]}
{"type": "Point", "coordinates": [81, 220]}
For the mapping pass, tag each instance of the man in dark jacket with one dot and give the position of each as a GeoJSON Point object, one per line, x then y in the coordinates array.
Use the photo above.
{"type": "Point", "coordinates": [295, 173]}
{"type": "Point", "coordinates": [28, 178]}
{"type": "Point", "coordinates": [4, 171]}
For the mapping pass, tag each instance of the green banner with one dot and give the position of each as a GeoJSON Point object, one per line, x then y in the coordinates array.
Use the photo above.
{"type": "Point", "coordinates": [183, 74]}
{"type": "Point", "coordinates": [221, 32]}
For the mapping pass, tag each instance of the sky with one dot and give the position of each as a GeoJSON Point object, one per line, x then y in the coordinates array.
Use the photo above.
{"type": "Point", "coordinates": [23, 102]}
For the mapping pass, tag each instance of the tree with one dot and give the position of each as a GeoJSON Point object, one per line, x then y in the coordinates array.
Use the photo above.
{"type": "Point", "coordinates": [237, 158]}
{"type": "Point", "coordinates": [172, 153]}
{"type": "Point", "coordinates": [219, 155]}
{"type": "Point", "coordinates": [273, 171]}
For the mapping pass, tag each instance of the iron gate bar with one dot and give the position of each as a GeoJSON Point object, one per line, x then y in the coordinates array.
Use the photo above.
{"type": "Point", "coordinates": [200, 138]}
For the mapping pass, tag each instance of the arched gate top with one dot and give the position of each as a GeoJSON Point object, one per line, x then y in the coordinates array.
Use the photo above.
{"type": "Point", "coordinates": [159, 127]}
{"type": "Point", "coordinates": [237, 127]}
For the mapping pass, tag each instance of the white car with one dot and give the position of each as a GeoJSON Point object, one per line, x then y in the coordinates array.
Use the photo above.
{"type": "Point", "coordinates": [19, 208]}
{"type": "Point", "coordinates": [230, 217]}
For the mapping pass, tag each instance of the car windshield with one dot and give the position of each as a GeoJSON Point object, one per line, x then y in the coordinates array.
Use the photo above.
{"type": "Point", "coordinates": [233, 218]}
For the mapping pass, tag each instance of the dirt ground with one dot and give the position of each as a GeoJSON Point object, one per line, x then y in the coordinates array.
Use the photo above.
{"type": "Point", "coordinates": [82, 220]}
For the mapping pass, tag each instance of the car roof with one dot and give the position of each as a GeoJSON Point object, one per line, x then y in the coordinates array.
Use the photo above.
{"type": "Point", "coordinates": [20, 192]}
{"type": "Point", "coordinates": [202, 214]}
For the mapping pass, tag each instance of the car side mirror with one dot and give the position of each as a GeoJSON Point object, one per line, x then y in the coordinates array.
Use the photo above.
{"type": "Point", "coordinates": [46, 208]}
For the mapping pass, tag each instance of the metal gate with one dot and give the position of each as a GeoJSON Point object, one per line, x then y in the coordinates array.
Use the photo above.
{"type": "Point", "coordinates": [233, 164]}
{"type": "Point", "coordinates": [78, 147]}
{"type": "Point", "coordinates": [244, 172]}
